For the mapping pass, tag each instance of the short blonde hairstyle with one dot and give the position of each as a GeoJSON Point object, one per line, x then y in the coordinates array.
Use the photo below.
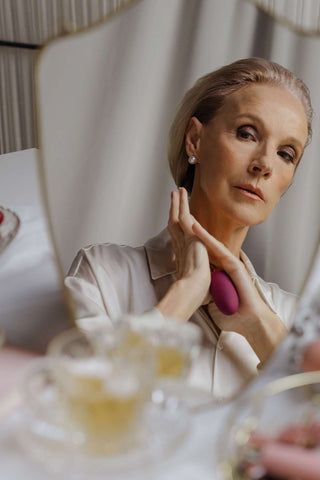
{"type": "Point", "coordinates": [207, 96]}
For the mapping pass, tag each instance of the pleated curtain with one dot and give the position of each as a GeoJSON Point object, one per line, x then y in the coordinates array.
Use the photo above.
{"type": "Point", "coordinates": [25, 26]}
{"type": "Point", "coordinates": [17, 114]}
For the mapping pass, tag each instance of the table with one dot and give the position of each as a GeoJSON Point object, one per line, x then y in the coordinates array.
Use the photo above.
{"type": "Point", "coordinates": [194, 459]}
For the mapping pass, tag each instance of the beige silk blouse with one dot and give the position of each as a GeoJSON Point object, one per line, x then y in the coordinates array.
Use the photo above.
{"type": "Point", "coordinates": [107, 280]}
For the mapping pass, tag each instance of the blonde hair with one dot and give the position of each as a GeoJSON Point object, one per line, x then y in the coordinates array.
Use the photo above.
{"type": "Point", "coordinates": [207, 96]}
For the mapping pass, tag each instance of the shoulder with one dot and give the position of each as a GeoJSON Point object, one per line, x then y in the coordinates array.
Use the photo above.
{"type": "Point", "coordinates": [284, 302]}
{"type": "Point", "coordinates": [106, 256]}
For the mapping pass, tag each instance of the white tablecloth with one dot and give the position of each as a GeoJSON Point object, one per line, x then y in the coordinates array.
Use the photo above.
{"type": "Point", "coordinates": [193, 459]}
{"type": "Point", "coordinates": [31, 304]}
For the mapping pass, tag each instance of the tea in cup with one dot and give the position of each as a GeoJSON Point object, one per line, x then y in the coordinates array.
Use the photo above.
{"type": "Point", "coordinates": [175, 344]}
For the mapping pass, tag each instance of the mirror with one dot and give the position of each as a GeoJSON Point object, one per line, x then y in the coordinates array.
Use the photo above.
{"type": "Point", "coordinates": [106, 98]}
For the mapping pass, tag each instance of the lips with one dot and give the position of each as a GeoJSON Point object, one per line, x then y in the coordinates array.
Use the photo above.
{"type": "Point", "coordinates": [251, 189]}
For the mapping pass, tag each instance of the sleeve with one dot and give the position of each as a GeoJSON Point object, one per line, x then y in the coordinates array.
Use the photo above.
{"type": "Point", "coordinates": [92, 308]}
{"type": "Point", "coordinates": [285, 303]}
{"type": "Point", "coordinates": [82, 286]}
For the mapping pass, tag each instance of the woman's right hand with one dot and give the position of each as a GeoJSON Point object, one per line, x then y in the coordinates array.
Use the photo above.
{"type": "Point", "coordinates": [190, 254]}
{"type": "Point", "coordinates": [191, 288]}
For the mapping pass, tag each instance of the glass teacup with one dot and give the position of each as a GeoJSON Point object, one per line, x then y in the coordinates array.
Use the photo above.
{"type": "Point", "coordinates": [175, 344]}
{"type": "Point", "coordinates": [95, 399]}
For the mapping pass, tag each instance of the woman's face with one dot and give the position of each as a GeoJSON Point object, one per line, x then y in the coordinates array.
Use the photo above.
{"type": "Point", "coordinates": [247, 154]}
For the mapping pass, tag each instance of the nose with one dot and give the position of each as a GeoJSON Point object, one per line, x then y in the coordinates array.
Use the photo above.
{"type": "Point", "coordinates": [261, 164]}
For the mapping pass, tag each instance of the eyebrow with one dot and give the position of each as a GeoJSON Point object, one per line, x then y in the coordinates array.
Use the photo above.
{"type": "Point", "coordinates": [258, 119]}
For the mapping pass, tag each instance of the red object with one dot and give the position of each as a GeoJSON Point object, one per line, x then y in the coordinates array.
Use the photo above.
{"type": "Point", "coordinates": [1, 217]}
{"type": "Point", "coordinates": [224, 293]}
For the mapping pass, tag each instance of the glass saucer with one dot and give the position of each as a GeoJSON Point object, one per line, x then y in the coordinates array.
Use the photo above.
{"type": "Point", "coordinates": [188, 396]}
{"type": "Point", "coordinates": [162, 429]}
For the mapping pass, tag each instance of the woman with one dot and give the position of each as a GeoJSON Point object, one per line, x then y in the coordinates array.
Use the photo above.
{"type": "Point", "coordinates": [235, 143]}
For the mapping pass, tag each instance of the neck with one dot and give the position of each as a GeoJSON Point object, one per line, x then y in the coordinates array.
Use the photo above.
{"type": "Point", "coordinates": [224, 229]}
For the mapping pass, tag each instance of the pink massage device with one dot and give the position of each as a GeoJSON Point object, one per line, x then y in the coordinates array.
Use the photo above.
{"type": "Point", "coordinates": [224, 292]}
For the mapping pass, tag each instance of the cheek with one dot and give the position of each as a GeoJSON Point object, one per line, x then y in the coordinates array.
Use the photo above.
{"type": "Point", "coordinates": [235, 153]}
{"type": "Point", "coordinates": [285, 179]}
{"type": "Point", "coordinates": [280, 187]}
{"type": "Point", "coordinates": [220, 156]}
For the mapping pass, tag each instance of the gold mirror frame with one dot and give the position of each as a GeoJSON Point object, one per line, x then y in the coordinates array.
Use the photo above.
{"type": "Point", "coordinates": [271, 8]}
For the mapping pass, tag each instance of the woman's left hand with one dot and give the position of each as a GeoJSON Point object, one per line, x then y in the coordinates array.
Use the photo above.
{"type": "Point", "coordinates": [254, 320]}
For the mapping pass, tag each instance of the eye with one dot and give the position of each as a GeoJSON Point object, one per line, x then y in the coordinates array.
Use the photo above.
{"type": "Point", "coordinates": [246, 132]}
{"type": "Point", "coordinates": [287, 156]}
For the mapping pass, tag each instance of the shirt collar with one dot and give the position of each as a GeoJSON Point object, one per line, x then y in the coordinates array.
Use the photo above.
{"type": "Point", "coordinates": [250, 268]}
{"type": "Point", "coordinates": [161, 260]}
{"type": "Point", "coordinates": [160, 255]}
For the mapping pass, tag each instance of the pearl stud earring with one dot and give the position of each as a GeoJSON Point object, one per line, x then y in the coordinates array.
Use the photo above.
{"type": "Point", "coordinates": [192, 160]}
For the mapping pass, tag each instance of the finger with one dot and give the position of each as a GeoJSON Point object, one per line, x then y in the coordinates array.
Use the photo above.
{"type": "Point", "coordinates": [221, 256]}
{"type": "Point", "coordinates": [185, 218]}
{"type": "Point", "coordinates": [258, 439]}
{"type": "Point", "coordinates": [173, 224]}
{"type": "Point", "coordinates": [176, 233]}
{"type": "Point", "coordinates": [176, 257]}
{"type": "Point", "coordinates": [176, 242]}
{"type": "Point", "coordinates": [216, 248]}
{"type": "Point", "coordinates": [174, 208]}
{"type": "Point", "coordinates": [291, 461]}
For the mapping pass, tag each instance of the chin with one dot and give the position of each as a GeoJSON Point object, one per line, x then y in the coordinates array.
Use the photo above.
{"type": "Point", "coordinates": [249, 217]}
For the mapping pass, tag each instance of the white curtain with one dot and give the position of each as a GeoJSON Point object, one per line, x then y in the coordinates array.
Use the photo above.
{"type": "Point", "coordinates": [106, 98]}
{"type": "Point", "coordinates": [35, 21]}
{"type": "Point", "coordinates": [301, 15]}
{"type": "Point", "coordinates": [25, 25]}
{"type": "Point", "coordinates": [17, 126]}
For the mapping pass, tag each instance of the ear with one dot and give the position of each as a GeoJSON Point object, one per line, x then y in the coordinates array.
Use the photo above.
{"type": "Point", "coordinates": [192, 138]}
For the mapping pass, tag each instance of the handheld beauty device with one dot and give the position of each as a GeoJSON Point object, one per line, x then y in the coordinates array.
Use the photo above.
{"type": "Point", "coordinates": [224, 292]}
